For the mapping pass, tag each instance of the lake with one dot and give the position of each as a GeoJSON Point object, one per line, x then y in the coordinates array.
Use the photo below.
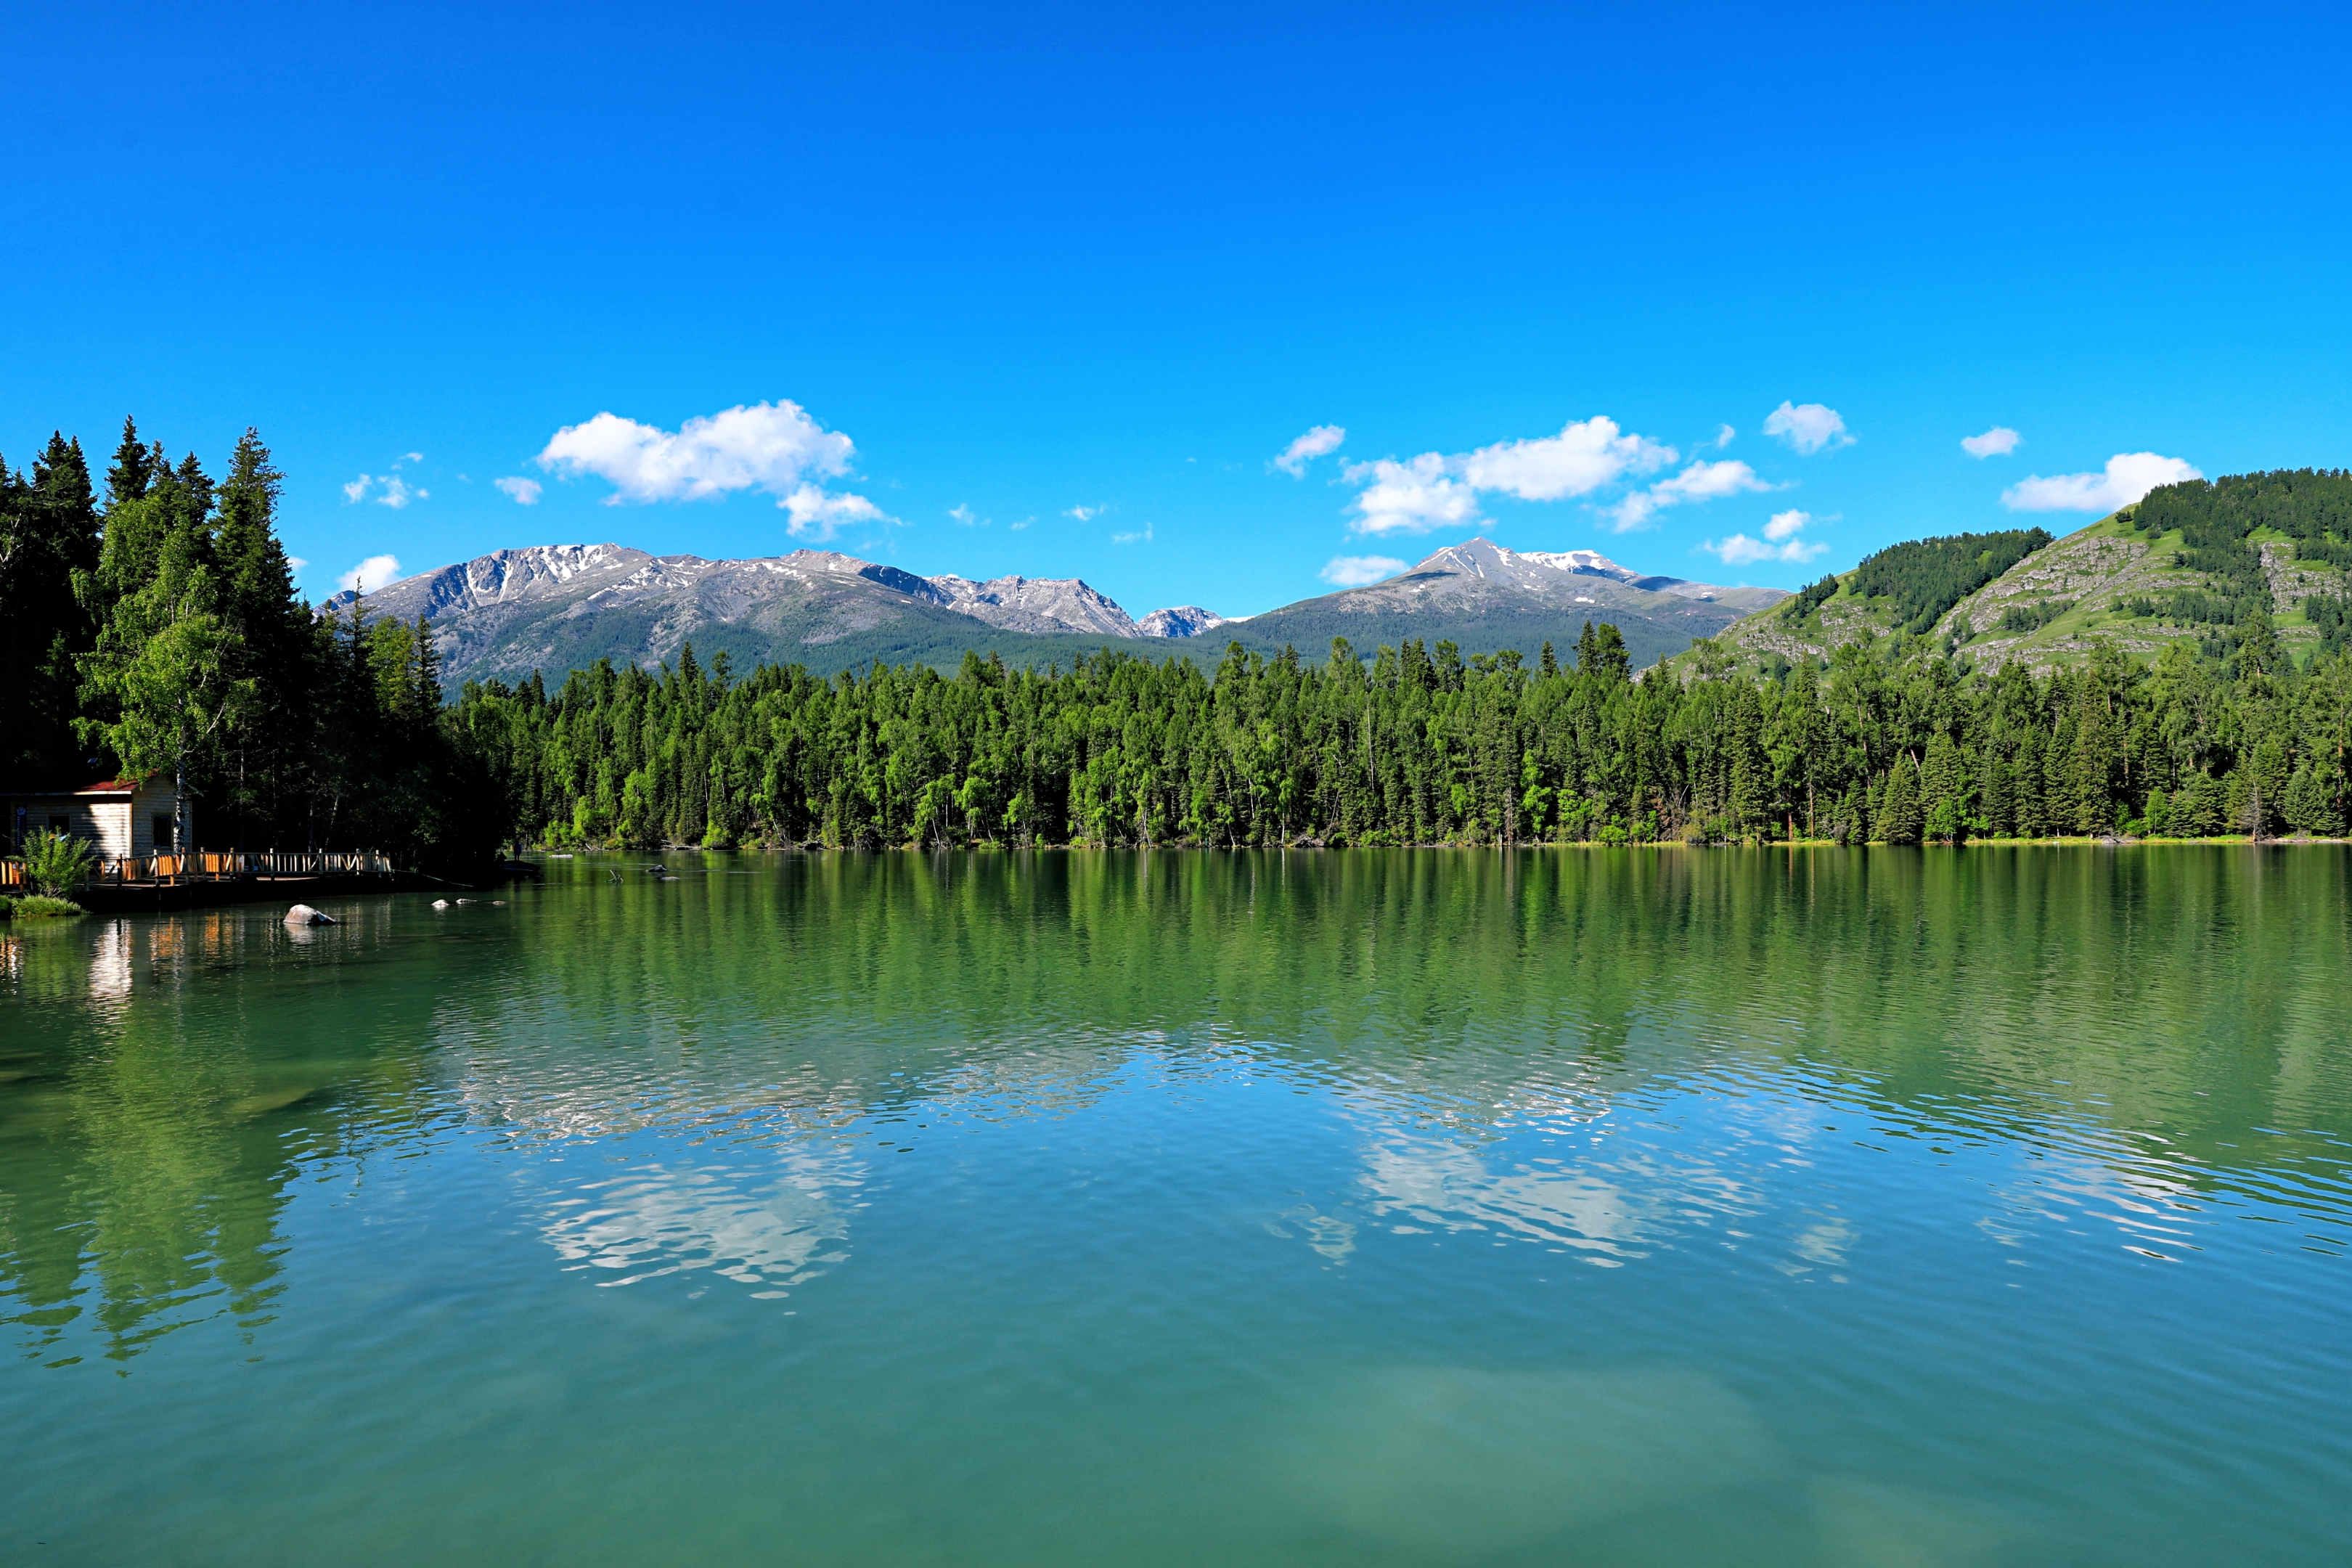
{"type": "Point", "coordinates": [1347, 1207]}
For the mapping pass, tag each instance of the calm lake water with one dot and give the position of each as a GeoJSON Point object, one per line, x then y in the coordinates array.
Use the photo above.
{"type": "Point", "coordinates": [1889, 1207]}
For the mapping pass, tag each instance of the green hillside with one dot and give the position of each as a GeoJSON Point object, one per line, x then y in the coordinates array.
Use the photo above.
{"type": "Point", "coordinates": [2248, 565]}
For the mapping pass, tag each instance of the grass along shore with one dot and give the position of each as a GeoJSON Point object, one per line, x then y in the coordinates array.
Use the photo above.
{"type": "Point", "coordinates": [37, 907]}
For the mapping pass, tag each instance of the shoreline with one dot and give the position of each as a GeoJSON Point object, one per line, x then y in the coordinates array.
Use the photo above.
{"type": "Point", "coordinates": [2073, 841]}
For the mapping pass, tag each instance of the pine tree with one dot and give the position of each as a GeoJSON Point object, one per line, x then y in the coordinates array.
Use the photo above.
{"type": "Point", "coordinates": [2093, 761]}
{"type": "Point", "coordinates": [51, 541]}
{"type": "Point", "coordinates": [1899, 821]}
{"type": "Point", "coordinates": [2026, 786]}
{"type": "Point", "coordinates": [428, 700]}
{"type": "Point", "coordinates": [273, 761]}
{"type": "Point", "coordinates": [2000, 800]}
{"type": "Point", "coordinates": [134, 469]}
{"type": "Point", "coordinates": [1943, 790]}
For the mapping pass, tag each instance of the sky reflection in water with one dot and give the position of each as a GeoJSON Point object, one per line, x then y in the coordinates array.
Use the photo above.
{"type": "Point", "coordinates": [1351, 1207]}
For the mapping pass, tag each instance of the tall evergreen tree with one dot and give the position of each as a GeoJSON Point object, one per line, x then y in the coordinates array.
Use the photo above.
{"type": "Point", "coordinates": [49, 537]}
{"type": "Point", "coordinates": [273, 755]}
{"type": "Point", "coordinates": [1943, 791]}
{"type": "Point", "coordinates": [134, 469]}
{"type": "Point", "coordinates": [1899, 815]}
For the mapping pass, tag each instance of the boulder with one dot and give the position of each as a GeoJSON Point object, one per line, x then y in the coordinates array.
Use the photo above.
{"type": "Point", "coordinates": [440, 903]}
{"type": "Point", "coordinates": [304, 915]}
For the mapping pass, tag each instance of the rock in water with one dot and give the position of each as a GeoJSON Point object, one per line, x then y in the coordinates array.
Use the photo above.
{"type": "Point", "coordinates": [304, 915]}
{"type": "Point", "coordinates": [440, 903]}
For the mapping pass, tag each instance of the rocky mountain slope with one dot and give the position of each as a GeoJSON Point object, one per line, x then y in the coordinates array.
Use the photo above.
{"type": "Point", "coordinates": [559, 608]}
{"type": "Point", "coordinates": [1484, 597]}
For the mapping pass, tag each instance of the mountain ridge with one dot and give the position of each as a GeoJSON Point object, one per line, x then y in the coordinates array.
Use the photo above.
{"type": "Point", "coordinates": [553, 608]}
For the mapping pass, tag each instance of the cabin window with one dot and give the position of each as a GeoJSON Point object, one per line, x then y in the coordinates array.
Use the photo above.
{"type": "Point", "coordinates": [163, 833]}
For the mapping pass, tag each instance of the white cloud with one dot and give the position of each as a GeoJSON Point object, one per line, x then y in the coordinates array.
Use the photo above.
{"type": "Point", "coordinates": [1086, 513]}
{"type": "Point", "coordinates": [391, 490]}
{"type": "Point", "coordinates": [775, 448]}
{"type": "Point", "coordinates": [1355, 571]}
{"type": "Point", "coordinates": [1810, 428]}
{"type": "Point", "coordinates": [1701, 481]}
{"type": "Point", "coordinates": [816, 515]}
{"type": "Point", "coordinates": [525, 493]}
{"type": "Point", "coordinates": [1586, 455]}
{"type": "Point", "coordinates": [1997, 442]}
{"type": "Point", "coordinates": [1780, 543]}
{"type": "Point", "coordinates": [1723, 436]}
{"type": "Point", "coordinates": [1017, 527]}
{"type": "Point", "coordinates": [2128, 476]}
{"type": "Point", "coordinates": [296, 563]}
{"type": "Point", "coordinates": [966, 517]}
{"type": "Point", "coordinates": [1307, 448]}
{"type": "Point", "coordinates": [1141, 536]}
{"type": "Point", "coordinates": [1410, 498]}
{"type": "Point", "coordinates": [370, 575]}
{"type": "Point", "coordinates": [1741, 550]}
{"type": "Point", "coordinates": [412, 457]}
{"type": "Point", "coordinates": [1435, 490]}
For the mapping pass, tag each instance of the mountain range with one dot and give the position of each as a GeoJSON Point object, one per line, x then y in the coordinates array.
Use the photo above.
{"type": "Point", "coordinates": [562, 607]}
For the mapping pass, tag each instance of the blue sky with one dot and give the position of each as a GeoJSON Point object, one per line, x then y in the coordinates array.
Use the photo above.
{"type": "Point", "coordinates": [1070, 280]}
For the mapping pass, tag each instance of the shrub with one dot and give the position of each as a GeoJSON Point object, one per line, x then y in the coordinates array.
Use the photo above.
{"type": "Point", "coordinates": [40, 906]}
{"type": "Point", "coordinates": [56, 863]}
{"type": "Point", "coordinates": [2034, 617]}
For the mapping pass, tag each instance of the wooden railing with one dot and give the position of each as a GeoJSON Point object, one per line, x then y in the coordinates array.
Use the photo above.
{"type": "Point", "coordinates": [220, 866]}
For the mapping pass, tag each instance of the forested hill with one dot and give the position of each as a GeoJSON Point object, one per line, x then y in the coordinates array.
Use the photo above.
{"type": "Point", "coordinates": [2252, 566]}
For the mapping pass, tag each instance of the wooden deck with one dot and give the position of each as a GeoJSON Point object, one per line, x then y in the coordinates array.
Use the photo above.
{"type": "Point", "coordinates": [156, 871]}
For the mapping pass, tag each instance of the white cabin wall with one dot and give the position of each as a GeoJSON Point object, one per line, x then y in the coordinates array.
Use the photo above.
{"type": "Point", "coordinates": [106, 824]}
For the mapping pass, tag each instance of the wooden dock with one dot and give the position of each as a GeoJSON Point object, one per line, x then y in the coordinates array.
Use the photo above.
{"type": "Point", "coordinates": [149, 882]}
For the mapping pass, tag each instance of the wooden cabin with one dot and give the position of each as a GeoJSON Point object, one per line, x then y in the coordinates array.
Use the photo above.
{"type": "Point", "coordinates": [119, 818]}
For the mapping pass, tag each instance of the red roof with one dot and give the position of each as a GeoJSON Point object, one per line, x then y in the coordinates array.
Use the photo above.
{"type": "Point", "coordinates": [111, 786]}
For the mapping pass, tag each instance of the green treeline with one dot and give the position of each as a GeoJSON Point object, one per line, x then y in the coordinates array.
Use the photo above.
{"type": "Point", "coordinates": [158, 631]}
{"type": "Point", "coordinates": [1925, 577]}
{"type": "Point", "coordinates": [2217, 521]}
{"type": "Point", "coordinates": [1408, 748]}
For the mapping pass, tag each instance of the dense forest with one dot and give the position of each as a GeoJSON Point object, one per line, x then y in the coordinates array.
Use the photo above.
{"type": "Point", "coordinates": [1409, 747]}
{"type": "Point", "coordinates": [157, 630]}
